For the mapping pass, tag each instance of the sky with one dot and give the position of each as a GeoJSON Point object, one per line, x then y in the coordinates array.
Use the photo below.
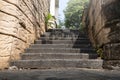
{"type": "Point", "coordinates": [62, 5]}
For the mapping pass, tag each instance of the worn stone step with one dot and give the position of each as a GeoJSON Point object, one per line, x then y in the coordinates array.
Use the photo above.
{"type": "Point", "coordinates": [62, 38]}
{"type": "Point", "coordinates": [63, 34]}
{"type": "Point", "coordinates": [29, 56]}
{"type": "Point", "coordinates": [65, 31]}
{"type": "Point", "coordinates": [59, 50]}
{"type": "Point", "coordinates": [75, 30]}
{"type": "Point", "coordinates": [62, 42]}
{"type": "Point", "coordinates": [58, 63]}
{"type": "Point", "coordinates": [61, 46]}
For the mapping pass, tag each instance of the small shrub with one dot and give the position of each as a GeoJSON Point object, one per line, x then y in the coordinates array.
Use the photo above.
{"type": "Point", "coordinates": [100, 52]}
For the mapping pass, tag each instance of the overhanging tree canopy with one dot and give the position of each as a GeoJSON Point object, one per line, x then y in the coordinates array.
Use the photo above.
{"type": "Point", "coordinates": [73, 13]}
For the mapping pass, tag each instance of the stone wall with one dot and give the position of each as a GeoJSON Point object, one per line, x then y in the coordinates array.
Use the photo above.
{"type": "Point", "coordinates": [21, 22]}
{"type": "Point", "coordinates": [102, 21]}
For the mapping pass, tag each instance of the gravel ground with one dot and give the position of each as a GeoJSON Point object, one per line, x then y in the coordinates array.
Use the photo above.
{"type": "Point", "coordinates": [60, 74]}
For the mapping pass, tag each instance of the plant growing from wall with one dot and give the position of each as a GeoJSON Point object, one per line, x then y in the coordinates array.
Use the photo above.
{"type": "Point", "coordinates": [49, 20]}
{"type": "Point", "coordinates": [99, 51]}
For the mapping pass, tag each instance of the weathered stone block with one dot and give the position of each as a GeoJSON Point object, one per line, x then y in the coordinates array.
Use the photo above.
{"type": "Point", "coordinates": [5, 45]}
{"type": "Point", "coordinates": [112, 51]}
{"type": "Point", "coordinates": [4, 62]}
{"type": "Point", "coordinates": [111, 64]}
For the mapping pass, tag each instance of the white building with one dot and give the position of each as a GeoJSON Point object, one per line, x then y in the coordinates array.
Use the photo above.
{"type": "Point", "coordinates": [54, 6]}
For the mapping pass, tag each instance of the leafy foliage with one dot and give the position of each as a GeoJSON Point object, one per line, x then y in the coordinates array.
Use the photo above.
{"type": "Point", "coordinates": [73, 13]}
{"type": "Point", "coordinates": [48, 17]}
{"type": "Point", "coordinates": [61, 24]}
{"type": "Point", "coordinates": [100, 52]}
{"type": "Point", "coordinates": [49, 21]}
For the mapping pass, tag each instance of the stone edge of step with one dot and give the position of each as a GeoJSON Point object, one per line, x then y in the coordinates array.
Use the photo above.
{"type": "Point", "coordinates": [88, 60]}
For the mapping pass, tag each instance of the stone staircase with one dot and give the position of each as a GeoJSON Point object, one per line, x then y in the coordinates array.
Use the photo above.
{"type": "Point", "coordinates": [59, 48]}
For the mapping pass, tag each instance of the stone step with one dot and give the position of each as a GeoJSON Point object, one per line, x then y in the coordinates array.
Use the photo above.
{"type": "Point", "coordinates": [61, 46]}
{"type": "Point", "coordinates": [29, 56]}
{"type": "Point", "coordinates": [63, 34]}
{"type": "Point", "coordinates": [65, 31]}
{"type": "Point", "coordinates": [58, 63]}
{"type": "Point", "coordinates": [75, 30]}
{"type": "Point", "coordinates": [62, 38]}
{"type": "Point", "coordinates": [62, 42]}
{"type": "Point", "coordinates": [59, 50]}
